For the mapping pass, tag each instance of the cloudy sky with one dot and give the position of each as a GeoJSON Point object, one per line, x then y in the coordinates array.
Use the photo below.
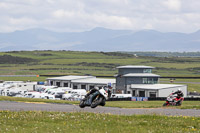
{"type": "Point", "coordinates": [81, 15]}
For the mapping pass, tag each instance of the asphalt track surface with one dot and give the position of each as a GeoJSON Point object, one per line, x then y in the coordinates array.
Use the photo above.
{"type": "Point", "coordinates": [20, 106]}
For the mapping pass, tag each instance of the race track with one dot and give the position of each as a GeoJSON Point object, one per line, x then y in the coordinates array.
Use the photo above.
{"type": "Point", "coordinates": [20, 106]}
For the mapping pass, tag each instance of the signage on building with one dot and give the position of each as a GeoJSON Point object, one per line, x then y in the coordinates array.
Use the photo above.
{"type": "Point", "coordinates": [139, 99]}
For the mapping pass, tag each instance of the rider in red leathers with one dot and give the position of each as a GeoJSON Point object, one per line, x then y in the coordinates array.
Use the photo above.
{"type": "Point", "coordinates": [179, 97]}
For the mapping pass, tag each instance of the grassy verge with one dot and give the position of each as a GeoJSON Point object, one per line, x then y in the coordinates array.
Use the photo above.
{"type": "Point", "coordinates": [152, 104]}
{"type": "Point", "coordinates": [19, 99]}
{"type": "Point", "coordinates": [33, 79]}
{"type": "Point", "coordinates": [120, 104]}
{"type": "Point", "coordinates": [89, 123]}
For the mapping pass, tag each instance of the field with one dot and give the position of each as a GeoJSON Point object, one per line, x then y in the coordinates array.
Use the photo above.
{"type": "Point", "coordinates": [40, 122]}
{"type": "Point", "coordinates": [94, 63]}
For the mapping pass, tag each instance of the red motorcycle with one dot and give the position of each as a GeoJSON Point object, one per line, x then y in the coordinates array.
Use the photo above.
{"type": "Point", "coordinates": [171, 100]}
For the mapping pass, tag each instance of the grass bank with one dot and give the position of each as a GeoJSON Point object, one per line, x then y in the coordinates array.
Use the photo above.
{"type": "Point", "coordinates": [89, 123]}
{"type": "Point", "coordinates": [21, 99]}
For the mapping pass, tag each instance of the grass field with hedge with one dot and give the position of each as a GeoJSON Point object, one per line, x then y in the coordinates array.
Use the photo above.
{"type": "Point", "coordinates": [93, 63]}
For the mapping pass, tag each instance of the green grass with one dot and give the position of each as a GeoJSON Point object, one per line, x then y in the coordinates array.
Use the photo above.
{"type": "Point", "coordinates": [152, 104]}
{"type": "Point", "coordinates": [96, 63]}
{"type": "Point", "coordinates": [23, 79]}
{"type": "Point", "coordinates": [120, 104]}
{"type": "Point", "coordinates": [32, 121]}
{"type": "Point", "coordinates": [193, 84]}
{"type": "Point", "coordinates": [21, 99]}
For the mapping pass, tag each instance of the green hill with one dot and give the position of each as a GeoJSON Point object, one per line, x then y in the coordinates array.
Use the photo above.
{"type": "Point", "coordinates": [93, 63]}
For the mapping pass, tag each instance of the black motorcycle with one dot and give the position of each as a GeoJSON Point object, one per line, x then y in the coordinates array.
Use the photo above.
{"type": "Point", "coordinates": [94, 98]}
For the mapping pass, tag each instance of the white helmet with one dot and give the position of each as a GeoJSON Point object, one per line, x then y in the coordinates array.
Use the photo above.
{"type": "Point", "coordinates": [96, 87]}
{"type": "Point", "coordinates": [179, 89]}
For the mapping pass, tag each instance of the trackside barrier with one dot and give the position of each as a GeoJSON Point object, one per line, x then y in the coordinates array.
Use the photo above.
{"type": "Point", "coordinates": [149, 99]}
{"type": "Point", "coordinates": [157, 98]}
{"type": "Point", "coordinates": [164, 98]}
{"type": "Point", "coordinates": [120, 99]}
{"type": "Point", "coordinates": [192, 99]}
{"type": "Point", "coordinates": [139, 99]}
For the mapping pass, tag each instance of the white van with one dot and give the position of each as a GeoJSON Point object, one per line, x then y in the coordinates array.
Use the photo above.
{"type": "Point", "coordinates": [80, 93]}
{"type": "Point", "coordinates": [32, 94]}
{"type": "Point", "coordinates": [120, 95]}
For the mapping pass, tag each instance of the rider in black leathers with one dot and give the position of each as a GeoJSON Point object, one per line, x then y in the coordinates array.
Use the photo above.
{"type": "Point", "coordinates": [93, 92]}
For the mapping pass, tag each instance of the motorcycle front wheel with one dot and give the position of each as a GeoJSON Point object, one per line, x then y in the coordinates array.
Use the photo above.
{"type": "Point", "coordinates": [96, 102]}
{"type": "Point", "coordinates": [82, 104]}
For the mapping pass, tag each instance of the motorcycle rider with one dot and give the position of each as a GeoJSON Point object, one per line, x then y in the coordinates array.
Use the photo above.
{"type": "Point", "coordinates": [179, 96]}
{"type": "Point", "coordinates": [93, 92]}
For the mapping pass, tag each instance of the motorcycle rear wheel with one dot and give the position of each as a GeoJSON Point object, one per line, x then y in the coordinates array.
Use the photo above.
{"type": "Point", "coordinates": [165, 104]}
{"type": "Point", "coordinates": [96, 102]}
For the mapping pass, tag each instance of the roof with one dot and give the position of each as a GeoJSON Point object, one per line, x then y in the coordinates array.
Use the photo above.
{"type": "Point", "coordinates": [131, 66]}
{"type": "Point", "coordinates": [95, 81]}
{"type": "Point", "coordinates": [70, 77]}
{"type": "Point", "coordinates": [154, 86]}
{"type": "Point", "coordinates": [141, 75]}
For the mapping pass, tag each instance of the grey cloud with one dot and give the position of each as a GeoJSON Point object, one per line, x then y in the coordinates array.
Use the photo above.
{"type": "Point", "coordinates": [78, 15]}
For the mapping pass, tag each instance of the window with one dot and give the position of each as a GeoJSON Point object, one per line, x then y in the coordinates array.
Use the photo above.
{"type": "Point", "coordinates": [58, 84]}
{"type": "Point", "coordinates": [51, 83]}
{"type": "Point", "coordinates": [152, 94]}
{"type": "Point", "coordinates": [65, 84]}
{"type": "Point", "coordinates": [128, 92]}
{"type": "Point", "coordinates": [75, 86]}
{"type": "Point", "coordinates": [141, 93]}
{"type": "Point", "coordinates": [145, 81]}
{"type": "Point", "coordinates": [83, 86]}
{"type": "Point", "coordinates": [149, 80]}
{"type": "Point", "coordinates": [147, 71]}
{"type": "Point", "coordinates": [133, 92]}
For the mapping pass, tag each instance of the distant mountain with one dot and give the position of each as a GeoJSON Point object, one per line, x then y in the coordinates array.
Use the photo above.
{"type": "Point", "coordinates": [99, 39]}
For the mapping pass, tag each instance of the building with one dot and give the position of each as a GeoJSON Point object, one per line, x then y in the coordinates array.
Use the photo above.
{"type": "Point", "coordinates": [155, 90]}
{"type": "Point", "coordinates": [128, 75]}
{"type": "Point", "coordinates": [141, 82]}
{"type": "Point", "coordinates": [81, 82]}
{"type": "Point", "coordinates": [65, 81]}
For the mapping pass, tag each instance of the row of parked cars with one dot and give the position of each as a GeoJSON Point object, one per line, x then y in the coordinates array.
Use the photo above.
{"type": "Point", "coordinates": [35, 90]}
{"type": "Point", "coordinates": [58, 93]}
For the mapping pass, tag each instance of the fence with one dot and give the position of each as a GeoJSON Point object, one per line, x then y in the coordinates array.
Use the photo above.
{"type": "Point", "coordinates": [150, 99]}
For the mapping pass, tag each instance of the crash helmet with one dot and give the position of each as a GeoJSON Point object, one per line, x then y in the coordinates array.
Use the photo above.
{"type": "Point", "coordinates": [106, 89]}
{"type": "Point", "coordinates": [97, 88]}
{"type": "Point", "coordinates": [179, 89]}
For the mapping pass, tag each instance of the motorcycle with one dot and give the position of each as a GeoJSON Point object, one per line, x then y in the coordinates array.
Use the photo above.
{"type": "Point", "coordinates": [94, 99]}
{"type": "Point", "coordinates": [171, 100]}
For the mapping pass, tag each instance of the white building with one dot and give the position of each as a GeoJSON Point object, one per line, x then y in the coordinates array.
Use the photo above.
{"type": "Point", "coordinates": [80, 82]}
{"type": "Point", "coordinates": [155, 90]}
{"type": "Point", "coordinates": [65, 81]}
{"type": "Point", "coordinates": [93, 82]}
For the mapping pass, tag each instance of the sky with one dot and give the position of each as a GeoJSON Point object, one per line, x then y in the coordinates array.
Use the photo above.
{"type": "Point", "coordinates": [83, 15]}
